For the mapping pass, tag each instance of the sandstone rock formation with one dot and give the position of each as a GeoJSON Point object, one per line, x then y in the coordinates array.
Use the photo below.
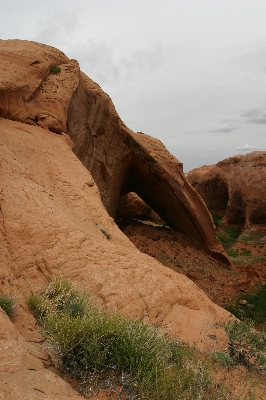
{"type": "Point", "coordinates": [50, 224]}
{"type": "Point", "coordinates": [22, 368]}
{"type": "Point", "coordinates": [53, 222]}
{"type": "Point", "coordinates": [132, 206]}
{"type": "Point", "coordinates": [119, 160]}
{"type": "Point", "coordinates": [235, 188]}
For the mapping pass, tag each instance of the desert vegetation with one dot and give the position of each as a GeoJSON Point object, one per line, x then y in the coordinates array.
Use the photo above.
{"type": "Point", "coordinates": [105, 350]}
{"type": "Point", "coordinates": [106, 234]}
{"type": "Point", "coordinates": [247, 346]}
{"type": "Point", "coordinates": [228, 236]}
{"type": "Point", "coordinates": [7, 304]}
{"type": "Point", "coordinates": [54, 69]}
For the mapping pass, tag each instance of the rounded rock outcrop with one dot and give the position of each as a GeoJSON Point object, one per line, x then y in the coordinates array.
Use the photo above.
{"type": "Point", "coordinates": [234, 188]}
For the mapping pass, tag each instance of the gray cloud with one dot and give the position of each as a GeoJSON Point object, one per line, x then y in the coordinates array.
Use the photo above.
{"type": "Point", "coordinates": [255, 116]}
{"type": "Point", "coordinates": [157, 71]}
{"type": "Point", "coordinates": [227, 129]}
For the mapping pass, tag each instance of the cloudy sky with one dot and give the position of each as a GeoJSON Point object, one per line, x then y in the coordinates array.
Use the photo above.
{"type": "Point", "coordinates": [191, 73]}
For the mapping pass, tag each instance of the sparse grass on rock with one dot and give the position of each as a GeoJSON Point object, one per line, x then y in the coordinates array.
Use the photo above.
{"type": "Point", "coordinates": [117, 352]}
{"type": "Point", "coordinates": [54, 69]}
{"type": "Point", "coordinates": [7, 304]}
{"type": "Point", "coordinates": [247, 346]}
{"type": "Point", "coordinates": [106, 234]}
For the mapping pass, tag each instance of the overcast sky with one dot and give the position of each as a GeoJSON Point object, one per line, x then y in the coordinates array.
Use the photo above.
{"type": "Point", "coordinates": [191, 73]}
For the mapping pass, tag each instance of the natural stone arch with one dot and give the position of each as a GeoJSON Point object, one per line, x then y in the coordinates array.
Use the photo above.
{"type": "Point", "coordinates": [106, 146]}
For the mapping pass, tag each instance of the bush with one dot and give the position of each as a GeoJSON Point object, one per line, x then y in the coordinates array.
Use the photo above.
{"type": "Point", "coordinates": [118, 352]}
{"type": "Point", "coordinates": [216, 219]}
{"type": "Point", "coordinates": [34, 304]}
{"type": "Point", "coordinates": [247, 346]}
{"type": "Point", "coordinates": [7, 304]}
{"type": "Point", "coordinates": [245, 252]}
{"type": "Point", "coordinates": [223, 358]}
{"type": "Point", "coordinates": [106, 234]}
{"type": "Point", "coordinates": [232, 253]}
{"type": "Point", "coordinates": [54, 69]}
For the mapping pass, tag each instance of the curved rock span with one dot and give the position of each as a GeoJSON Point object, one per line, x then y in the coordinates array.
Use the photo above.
{"type": "Point", "coordinates": [235, 188]}
{"type": "Point", "coordinates": [119, 160]}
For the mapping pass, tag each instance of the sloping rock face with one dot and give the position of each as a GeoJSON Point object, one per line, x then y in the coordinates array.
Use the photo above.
{"type": "Point", "coordinates": [235, 188]}
{"type": "Point", "coordinates": [119, 160]}
{"type": "Point", "coordinates": [22, 368]}
{"type": "Point", "coordinates": [51, 216]}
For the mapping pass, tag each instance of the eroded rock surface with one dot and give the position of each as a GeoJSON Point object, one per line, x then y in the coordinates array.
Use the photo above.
{"type": "Point", "coordinates": [50, 224]}
{"type": "Point", "coordinates": [52, 218]}
{"type": "Point", "coordinates": [235, 188]}
{"type": "Point", "coordinates": [119, 160]}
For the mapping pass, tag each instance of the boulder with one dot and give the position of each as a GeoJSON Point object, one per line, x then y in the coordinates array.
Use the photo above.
{"type": "Point", "coordinates": [119, 160]}
{"type": "Point", "coordinates": [234, 188]}
{"type": "Point", "coordinates": [133, 207]}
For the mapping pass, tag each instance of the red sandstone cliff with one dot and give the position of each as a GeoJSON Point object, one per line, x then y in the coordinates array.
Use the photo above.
{"type": "Point", "coordinates": [235, 188]}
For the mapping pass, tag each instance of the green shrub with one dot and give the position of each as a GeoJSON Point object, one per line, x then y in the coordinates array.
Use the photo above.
{"type": "Point", "coordinates": [223, 358]}
{"type": "Point", "coordinates": [119, 352]}
{"type": "Point", "coordinates": [232, 253]}
{"type": "Point", "coordinates": [247, 346]}
{"type": "Point", "coordinates": [216, 219]}
{"type": "Point", "coordinates": [245, 252]}
{"type": "Point", "coordinates": [35, 304]}
{"type": "Point", "coordinates": [7, 304]}
{"type": "Point", "coordinates": [106, 234]}
{"type": "Point", "coordinates": [54, 69]}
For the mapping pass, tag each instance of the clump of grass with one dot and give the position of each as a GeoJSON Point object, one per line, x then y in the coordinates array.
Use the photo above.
{"type": "Point", "coordinates": [247, 346]}
{"type": "Point", "coordinates": [54, 69]}
{"type": "Point", "coordinates": [106, 234]}
{"type": "Point", "coordinates": [232, 253]}
{"type": "Point", "coordinates": [60, 297]}
{"type": "Point", "coordinates": [222, 358]}
{"type": "Point", "coordinates": [229, 236]}
{"type": "Point", "coordinates": [129, 354]}
{"type": "Point", "coordinates": [7, 304]}
{"type": "Point", "coordinates": [255, 307]}
{"type": "Point", "coordinates": [245, 253]}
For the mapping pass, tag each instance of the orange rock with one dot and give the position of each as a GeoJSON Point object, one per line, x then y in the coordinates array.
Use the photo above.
{"type": "Point", "coordinates": [235, 188]}
{"type": "Point", "coordinates": [132, 206]}
{"type": "Point", "coordinates": [119, 160]}
{"type": "Point", "coordinates": [52, 215]}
